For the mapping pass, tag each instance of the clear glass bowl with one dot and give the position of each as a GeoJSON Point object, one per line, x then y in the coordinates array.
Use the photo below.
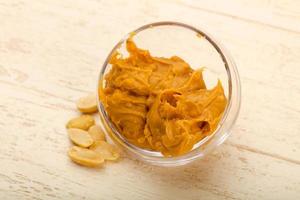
{"type": "Point", "coordinates": [199, 49]}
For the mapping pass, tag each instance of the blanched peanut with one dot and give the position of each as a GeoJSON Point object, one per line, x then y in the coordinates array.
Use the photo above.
{"type": "Point", "coordinates": [97, 133]}
{"type": "Point", "coordinates": [87, 104]}
{"type": "Point", "coordinates": [85, 157]}
{"type": "Point", "coordinates": [107, 151]}
{"type": "Point", "coordinates": [80, 137]}
{"type": "Point", "coordinates": [83, 122]}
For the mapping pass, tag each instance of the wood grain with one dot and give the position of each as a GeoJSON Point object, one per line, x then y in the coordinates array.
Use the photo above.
{"type": "Point", "coordinates": [51, 52]}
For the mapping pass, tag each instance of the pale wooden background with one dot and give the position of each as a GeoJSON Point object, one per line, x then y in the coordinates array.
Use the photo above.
{"type": "Point", "coordinates": [51, 52]}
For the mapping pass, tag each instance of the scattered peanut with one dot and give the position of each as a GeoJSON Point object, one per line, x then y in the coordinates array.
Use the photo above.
{"type": "Point", "coordinates": [87, 104]}
{"type": "Point", "coordinates": [80, 137]}
{"type": "Point", "coordinates": [97, 133]}
{"type": "Point", "coordinates": [107, 151]}
{"type": "Point", "coordinates": [85, 157]}
{"type": "Point", "coordinates": [83, 122]}
{"type": "Point", "coordinates": [92, 149]}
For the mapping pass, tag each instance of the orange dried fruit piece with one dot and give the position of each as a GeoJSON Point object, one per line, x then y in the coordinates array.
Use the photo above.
{"type": "Point", "coordinates": [85, 157]}
{"type": "Point", "coordinates": [96, 133]}
{"type": "Point", "coordinates": [80, 137]}
{"type": "Point", "coordinates": [83, 122]}
{"type": "Point", "coordinates": [106, 150]}
{"type": "Point", "coordinates": [87, 104]}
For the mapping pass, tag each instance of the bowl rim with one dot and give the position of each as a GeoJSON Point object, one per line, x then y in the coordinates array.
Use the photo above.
{"type": "Point", "coordinates": [229, 116]}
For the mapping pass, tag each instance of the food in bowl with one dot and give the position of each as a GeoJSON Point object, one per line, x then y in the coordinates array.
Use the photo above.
{"type": "Point", "coordinates": [158, 103]}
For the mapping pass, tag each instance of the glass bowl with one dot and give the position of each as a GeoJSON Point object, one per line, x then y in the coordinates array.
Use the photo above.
{"type": "Point", "coordinates": [199, 49]}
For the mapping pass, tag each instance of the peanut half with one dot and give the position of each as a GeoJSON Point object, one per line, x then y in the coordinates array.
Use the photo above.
{"type": "Point", "coordinates": [85, 157]}
{"type": "Point", "coordinates": [87, 104]}
{"type": "Point", "coordinates": [105, 150]}
{"type": "Point", "coordinates": [96, 133]}
{"type": "Point", "coordinates": [83, 122]}
{"type": "Point", "coordinates": [80, 137]}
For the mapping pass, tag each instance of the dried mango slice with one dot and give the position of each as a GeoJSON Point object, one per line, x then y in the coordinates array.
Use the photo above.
{"type": "Point", "coordinates": [107, 151]}
{"type": "Point", "coordinates": [85, 157]}
{"type": "Point", "coordinates": [83, 122]}
{"type": "Point", "coordinates": [87, 104]}
{"type": "Point", "coordinates": [96, 133]}
{"type": "Point", "coordinates": [80, 137]}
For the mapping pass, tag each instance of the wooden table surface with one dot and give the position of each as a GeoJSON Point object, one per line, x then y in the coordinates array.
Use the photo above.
{"type": "Point", "coordinates": [51, 52]}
